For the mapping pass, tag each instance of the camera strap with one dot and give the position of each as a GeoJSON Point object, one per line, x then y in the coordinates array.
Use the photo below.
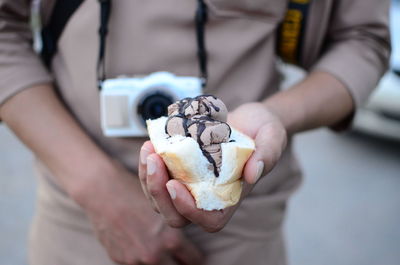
{"type": "Point", "coordinates": [200, 20]}
{"type": "Point", "coordinates": [105, 11]}
{"type": "Point", "coordinates": [62, 11]}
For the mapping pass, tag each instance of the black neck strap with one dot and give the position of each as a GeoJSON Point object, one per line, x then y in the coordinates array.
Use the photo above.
{"type": "Point", "coordinates": [200, 20]}
{"type": "Point", "coordinates": [105, 10]}
{"type": "Point", "coordinates": [51, 32]}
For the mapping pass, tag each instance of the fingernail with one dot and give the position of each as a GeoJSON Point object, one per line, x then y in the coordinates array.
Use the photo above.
{"type": "Point", "coordinates": [260, 169]}
{"type": "Point", "coordinates": [171, 191]}
{"type": "Point", "coordinates": [144, 153]}
{"type": "Point", "coordinates": [151, 166]}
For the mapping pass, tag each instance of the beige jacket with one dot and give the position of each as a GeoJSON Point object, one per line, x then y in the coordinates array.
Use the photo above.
{"type": "Point", "coordinates": [347, 38]}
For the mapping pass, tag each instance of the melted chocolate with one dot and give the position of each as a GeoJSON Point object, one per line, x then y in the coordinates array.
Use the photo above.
{"type": "Point", "coordinates": [200, 129]}
{"type": "Point", "coordinates": [204, 97]}
{"type": "Point", "coordinates": [199, 121]}
{"type": "Point", "coordinates": [212, 161]}
{"type": "Point", "coordinates": [184, 123]}
{"type": "Point", "coordinates": [214, 107]}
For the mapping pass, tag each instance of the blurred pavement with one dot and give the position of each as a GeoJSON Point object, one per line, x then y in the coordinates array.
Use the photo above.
{"type": "Point", "coordinates": [17, 194]}
{"type": "Point", "coordinates": [347, 211]}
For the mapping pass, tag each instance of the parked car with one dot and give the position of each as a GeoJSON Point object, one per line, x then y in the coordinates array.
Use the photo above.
{"type": "Point", "coordinates": [381, 115]}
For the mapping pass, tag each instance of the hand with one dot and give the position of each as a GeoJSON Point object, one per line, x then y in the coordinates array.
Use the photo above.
{"type": "Point", "coordinates": [173, 200]}
{"type": "Point", "coordinates": [129, 229]}
{"type": "Point", "coordinates": [112, 198]}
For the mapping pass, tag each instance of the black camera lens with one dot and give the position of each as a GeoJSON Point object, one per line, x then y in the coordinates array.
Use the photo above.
{"type": "Point", "coordinates": [154, 105]}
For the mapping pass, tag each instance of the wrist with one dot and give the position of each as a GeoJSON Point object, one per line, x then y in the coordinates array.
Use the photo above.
{"type": "Point", "coordinates": [319, 100]}
{"type": "Point", "coordinates": [289, 114]}
{"type": "Point", "coordinates": [106, 189]}
{"type": "Point", "coordinates": [91, 179]}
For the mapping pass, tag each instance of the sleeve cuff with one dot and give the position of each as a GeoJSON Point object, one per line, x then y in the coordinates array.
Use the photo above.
{"type": "Point", "coordinates": [356, 67]}
{"type": "Point", "coordinates": [359, 69]}
{"type": "Point", "coordinates": [16, 78]}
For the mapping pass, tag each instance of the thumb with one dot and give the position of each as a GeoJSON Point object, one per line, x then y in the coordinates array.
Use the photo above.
{"type": "Point", "coordinates": [270, 142]}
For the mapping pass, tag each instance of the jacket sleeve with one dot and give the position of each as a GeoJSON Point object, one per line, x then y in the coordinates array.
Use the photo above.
{"type": "Point", "coordinates": [20, 66]}
{"type": "Point", "coordinates": [357, 46]}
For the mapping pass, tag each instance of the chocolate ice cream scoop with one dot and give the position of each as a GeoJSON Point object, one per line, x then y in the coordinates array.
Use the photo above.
{"type": "Point", "coordinates": [204, 105]}
{"type": "Point", "coordinates": [210, 132]}
{"type": "Point", "coordinates": [175, 126]}
{"type": "Point", "coordinates": [204, 119]}
{"type": "Point", "coordinates": [215, 152]}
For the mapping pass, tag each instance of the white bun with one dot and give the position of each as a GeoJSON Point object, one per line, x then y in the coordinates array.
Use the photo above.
{"type": "Point", "coordinates": [186, 163]}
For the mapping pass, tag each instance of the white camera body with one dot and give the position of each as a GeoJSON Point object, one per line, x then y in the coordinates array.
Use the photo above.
{"type": "Point", "coordinates": [127, 102]}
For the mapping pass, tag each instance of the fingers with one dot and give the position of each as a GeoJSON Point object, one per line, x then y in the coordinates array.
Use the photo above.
{"type": "Point", "coordinates": [153, 176]}
{"type": "Point", "coordinates": [270, 143]}
{"type": "Point", "coordinates": [145, 151]}
{"type": "Point", "coordinates": [157, 178]}
{"type": "Point", "coordinates": [176, 204]}
{"type": "Point", "coordinates": [211, 221]}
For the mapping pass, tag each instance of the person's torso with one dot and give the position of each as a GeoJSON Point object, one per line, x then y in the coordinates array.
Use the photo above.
{"type": "Point", "coordinates": [149, 36]}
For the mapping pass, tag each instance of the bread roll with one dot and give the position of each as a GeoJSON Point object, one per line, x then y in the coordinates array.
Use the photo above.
{"type": "Point", "coordinates": [186, 163]}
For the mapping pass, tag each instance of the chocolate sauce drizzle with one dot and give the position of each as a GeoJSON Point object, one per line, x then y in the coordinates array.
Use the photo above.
{"type": "Point", "coordinates": [199, 121]}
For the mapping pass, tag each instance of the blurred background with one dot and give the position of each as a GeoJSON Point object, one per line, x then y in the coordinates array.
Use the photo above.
{"type": "Point", "coordinates": [347, 212]}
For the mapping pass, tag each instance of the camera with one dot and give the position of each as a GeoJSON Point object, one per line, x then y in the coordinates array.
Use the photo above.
{"type": "Point", "coordinates": [127, 102]}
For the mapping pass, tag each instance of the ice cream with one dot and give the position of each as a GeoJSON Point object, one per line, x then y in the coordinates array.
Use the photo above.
{"type": "Point", "coordinates": [204, 119]}
{"type": "Point", "coordinates": [204, 105]}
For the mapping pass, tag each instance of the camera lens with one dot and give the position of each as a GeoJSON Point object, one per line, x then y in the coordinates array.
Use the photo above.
{"type": "Point", "coordinates": [154, 106]}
